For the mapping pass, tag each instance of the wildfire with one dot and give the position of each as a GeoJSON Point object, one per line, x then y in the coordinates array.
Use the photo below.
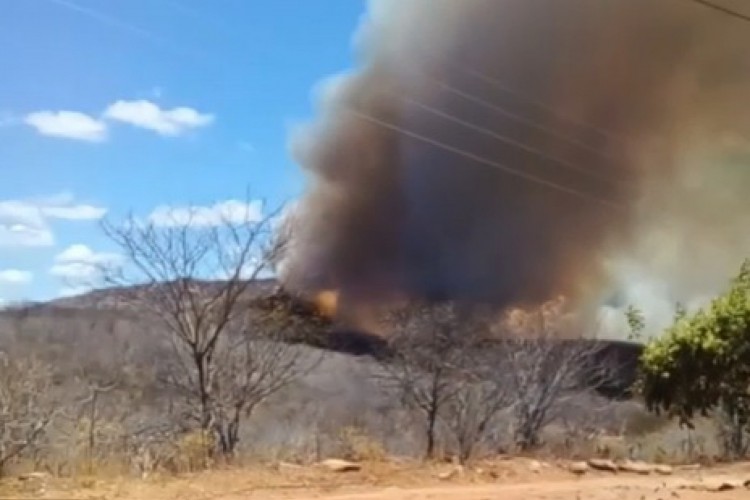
{"type": "Point", "coordinates": [552, 316]}
{"type": "Point", "coordinates": [360, 315]}
{"type": "Point", "coordinates": [327, 302]}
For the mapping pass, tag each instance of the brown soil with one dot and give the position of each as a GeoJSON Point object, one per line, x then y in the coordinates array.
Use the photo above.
{"type": "Point", "coordinates": [511, 479]}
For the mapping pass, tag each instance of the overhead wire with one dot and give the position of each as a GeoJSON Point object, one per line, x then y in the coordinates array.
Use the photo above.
{"type": "Point", "coordinates": [505, 139]}
{"type": "Point", "coordinates": [423, 138]}
{"type": "Point", "coordinates": [514, 116]}
{"type": "Point", "coordinates": [107, 19]}
{"type": "Point", "coordinates": [510, 141]}
{"type": "Point", "coordinates": [482, 160]}
{"type": "Point", "coordinates": [125, 26]}
{"type": "Point", "coordinates": [519, 118]}
{"type": "Point", "coordinates": [721, 8]}
{"type": "Point", "coordinates": [537, 103]}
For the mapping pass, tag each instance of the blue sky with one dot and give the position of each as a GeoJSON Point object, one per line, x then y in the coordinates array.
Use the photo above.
{"type": "Point", "coordinates": [108, 106]}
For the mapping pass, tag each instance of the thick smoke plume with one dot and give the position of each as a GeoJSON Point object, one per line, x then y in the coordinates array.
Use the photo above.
{"type": "Point", "coordinates": [512, 151]}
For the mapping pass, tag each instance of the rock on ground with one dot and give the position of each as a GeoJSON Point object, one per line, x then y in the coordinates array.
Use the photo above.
{"type": "Point", "coordinates": [338, 465]}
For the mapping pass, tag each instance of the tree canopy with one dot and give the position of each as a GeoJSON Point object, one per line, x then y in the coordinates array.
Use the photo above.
{"type": "Point", "coordinates": [702, 362]}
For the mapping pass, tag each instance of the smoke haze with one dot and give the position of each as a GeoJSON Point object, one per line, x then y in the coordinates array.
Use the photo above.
{"type": "Point", "coordinates": [514, 151]}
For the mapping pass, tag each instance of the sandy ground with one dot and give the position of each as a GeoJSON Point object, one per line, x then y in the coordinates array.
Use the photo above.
{"type": "Point", "coordinates": [554, 483]}
{"type": "Point", "coordinates": [620, 488]}
{"type": "Point", "coordinates": [510, 479]}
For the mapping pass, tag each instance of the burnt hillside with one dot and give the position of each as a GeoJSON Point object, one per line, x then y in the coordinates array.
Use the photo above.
{"type": "Point", "coordinates": [89, 318]}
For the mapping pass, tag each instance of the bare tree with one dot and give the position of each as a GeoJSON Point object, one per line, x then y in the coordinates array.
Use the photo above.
{"type": "Point", "coordinates": [93, 381]}
{"type": "Point", "coordinates": [440, 368]}
{"type": "Point", "coordinates": [543, 370]}
{"type": "Point", "coordinates": [90, 413]}
{"type": "Point", "coordinates": [472, 414]}
{"type": "Point", "coordinates": [198, 275]}
{"type": "Point", "coordinates": [27, 407]}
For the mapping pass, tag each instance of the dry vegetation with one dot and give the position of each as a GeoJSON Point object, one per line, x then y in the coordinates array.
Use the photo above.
{"type": "Point", "coordinates": [169, 374]}
{"type": "Point", "coordinates": [85, 392]}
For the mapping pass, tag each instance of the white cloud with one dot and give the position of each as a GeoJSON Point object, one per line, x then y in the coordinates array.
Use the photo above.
{"type": "Point", "coordinates": [64, 206]}
{"type": "Point", "coordinates": [75, 212]}
{"type": "Point", "coordinates": [26, 223]}
{"type": "Point", "coordinates": [68, 125]}
{"type": "Point", "coordinates": [22, 224]}
{"type": "Point", "coordinates": [79, 266]}
{"type": "Point", "coordinates": [15, 277]}
{"type": "Point", "coordinates": [138, 113]}
{"type": "Point", "coordinates": [80, 253]}
{"type": "Point", "coordinates": [19, 235]}
{"type": "Point", "coordinates": [73, 291]}
{"type": "Point", "coordinates": [146, 114]}
{"type": "Point", "coordinates": [230, 211]}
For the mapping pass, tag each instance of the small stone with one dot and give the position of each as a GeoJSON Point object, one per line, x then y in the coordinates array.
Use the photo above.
{"type": "Point", "coordinates": [535, 467]}
{"type": "Point", "coordinates": [635, 467]}
{"type": "Point", "coordinates": [724, 486]}
{"type": "Point", "coordinates": [664, 470]}
{"type": "Point", "coordinates": [288, 466]}
{"type": "Point", "coordinates": [33, 476]}
{"type": "Point", "coordinates": [337, 465]}
{"type": "Point", "coordinates": [602, 464]}
{"type": "Point", "coordinates": [444, 476]}
{"type": "Point", "coordinates": [578, 467]}
{"type": "Point", "coordinates": [715, 486]}
{"type": "Point", "coordinates": [690, 467]}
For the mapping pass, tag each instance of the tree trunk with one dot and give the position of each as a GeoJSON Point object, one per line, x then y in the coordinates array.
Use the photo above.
{"type": "Point", "coordinates": [229, 434]}
{"type": "Point", "coordinates": [431, 421]}
{"type": "Point", "coordinates": [206, 414]}
{"type": "Point", "coordinates": [465, 450]}
{"type": "Point", "coordinates": [738, 438]}
{"type": "Point", "coordinates": [92, 432]}
{"type": "Point", "coordinates": [527, 434]}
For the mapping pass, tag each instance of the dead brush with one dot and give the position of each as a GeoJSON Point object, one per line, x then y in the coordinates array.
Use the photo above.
{"type": "Point", "coordinates": [357, 445]}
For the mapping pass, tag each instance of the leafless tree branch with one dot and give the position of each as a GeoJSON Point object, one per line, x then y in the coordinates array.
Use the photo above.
{"type": "Point", "coordinates": [197, 278]}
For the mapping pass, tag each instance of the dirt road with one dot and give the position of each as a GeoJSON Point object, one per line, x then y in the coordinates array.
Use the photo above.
{"type": "Point", "coordinates": [502, 479]}
{"type": "Point", "coordinates": [614, 488]}
{"type": "Point", "coordinates": [684, 486]}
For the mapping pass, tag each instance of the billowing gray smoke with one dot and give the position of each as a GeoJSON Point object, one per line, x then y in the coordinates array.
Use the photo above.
{"type": "Point", "coordinates": [516, 150]}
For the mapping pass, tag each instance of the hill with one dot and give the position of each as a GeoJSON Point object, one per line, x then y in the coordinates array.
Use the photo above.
{"type": "Point", "coordinates": [99, 309]}
{"type": "Point", "coordinates": [94, 341]}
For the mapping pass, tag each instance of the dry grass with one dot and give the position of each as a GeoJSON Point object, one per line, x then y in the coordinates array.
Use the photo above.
{"type": "Point", "coordinates": [358, 445]}
{"type": "Point", "coordinates": [185, 474]}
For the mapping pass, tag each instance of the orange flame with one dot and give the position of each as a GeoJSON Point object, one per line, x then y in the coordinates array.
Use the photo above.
{"type": "Point", "coordinates": [327, 302]}
{"type": "Point", "coordinates": [553, 317]}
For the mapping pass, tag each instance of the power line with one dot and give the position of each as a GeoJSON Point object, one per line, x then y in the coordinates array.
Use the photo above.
{"type": "Point", "coordinates": [520, 119]}
{"type": "Point", "coordinates": [124, 26]}
{"type": "Point", "coordinates": [537, 103]}
{"type": "Point", "coordinates": [107, 19]}
{"type": "Point", "coordinates": [102, 17]}
{"type": "Point", "coordinates": [484, 161]}
{"type": "Point", "coordinates": [725, 10]}
{"type": "Point", "coordinates": [529, 100]}
{"type": "Point", "coordinates": [510, 141]}
{"type": "Point", "coordinates": [514, 116]}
